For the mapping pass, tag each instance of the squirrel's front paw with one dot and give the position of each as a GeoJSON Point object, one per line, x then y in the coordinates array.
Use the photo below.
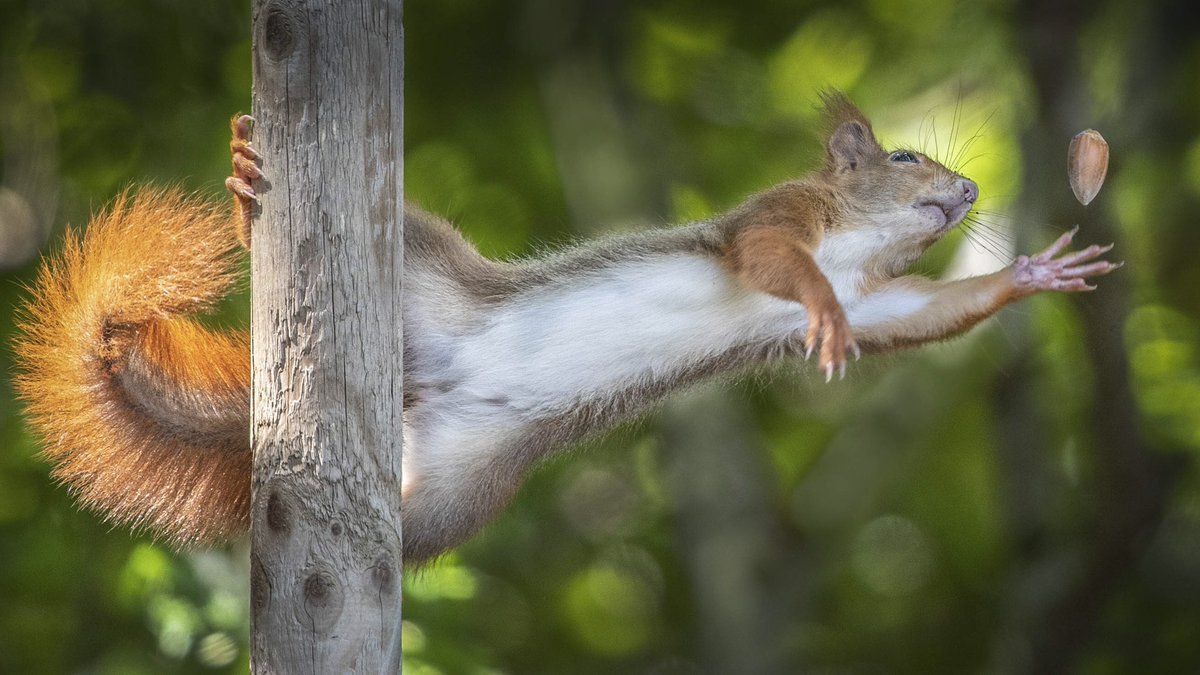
{"type": "Point", "coordinates": [1045, 272]}
{"type": "Point", "coordinates": [827, 323]}
{"type": "Point", "coordinates": [245, 170]}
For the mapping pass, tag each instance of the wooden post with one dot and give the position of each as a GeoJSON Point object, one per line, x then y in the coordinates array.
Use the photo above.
{"type": "Point", "coordinates": [326, 337]}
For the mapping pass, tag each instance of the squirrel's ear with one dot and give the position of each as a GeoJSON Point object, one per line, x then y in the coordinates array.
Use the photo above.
{"type": "Point", "coordinates": [849, 144]}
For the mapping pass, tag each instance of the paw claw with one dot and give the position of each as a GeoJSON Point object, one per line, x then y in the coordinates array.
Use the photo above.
{"type": "Point", "coordinates": [829, 334]}
{"type": "Point", "coordinates": [240, 188]}
{"type": "Point", "coordinates": [245, 168]}
{"type": "Point", "coordinates": [1067, 273]}
{"type": "Point", "coordinates": [242, 126]}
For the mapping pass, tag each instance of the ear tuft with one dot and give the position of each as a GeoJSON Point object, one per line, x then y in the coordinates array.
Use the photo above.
{"type": "Point", "coordinates": [850, 139]}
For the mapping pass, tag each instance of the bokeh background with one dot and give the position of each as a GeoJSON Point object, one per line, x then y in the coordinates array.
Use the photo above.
{"type": "Point", "coordinates": [1024, 499]}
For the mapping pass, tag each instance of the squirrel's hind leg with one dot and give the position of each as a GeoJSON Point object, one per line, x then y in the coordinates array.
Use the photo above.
{"type": "Point", "coordinates": [245, 170]}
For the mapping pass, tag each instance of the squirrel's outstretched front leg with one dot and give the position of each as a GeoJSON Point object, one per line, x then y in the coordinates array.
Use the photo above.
{"type": "Point", "coordinates": [245, 170]}
{"type": "Point", "coordinates": [938, 310]}
{"type": "Point", "coordinates": [772, 252]}
{"type": "Point", "coordinates": [774, 261]}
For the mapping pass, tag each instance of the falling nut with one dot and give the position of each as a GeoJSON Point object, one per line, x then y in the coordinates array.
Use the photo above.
{"type": "Point", "coordinates": [1087, 164]}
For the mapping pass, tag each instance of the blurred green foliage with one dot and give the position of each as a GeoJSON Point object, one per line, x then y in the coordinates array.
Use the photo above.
{"type": "Point", "coordinates": [1022, 500]}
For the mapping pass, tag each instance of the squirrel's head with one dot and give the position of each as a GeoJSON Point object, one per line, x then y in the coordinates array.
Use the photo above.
{"type": "Point", "coordinates": [905, 193]}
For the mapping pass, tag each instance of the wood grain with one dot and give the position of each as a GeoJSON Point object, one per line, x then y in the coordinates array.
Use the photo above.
{"type": "Point", "coordinates": [326, 337]}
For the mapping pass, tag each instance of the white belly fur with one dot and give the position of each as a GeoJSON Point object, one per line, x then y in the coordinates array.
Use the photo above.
{"type": "Point", "coordinates": [547, 350]}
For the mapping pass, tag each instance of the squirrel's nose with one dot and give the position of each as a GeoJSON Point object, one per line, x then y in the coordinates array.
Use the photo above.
{"type": "Point", "coordinates": [970, 191]}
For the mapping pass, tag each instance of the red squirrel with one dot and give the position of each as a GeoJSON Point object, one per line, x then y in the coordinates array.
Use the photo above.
{"type": "Point", "coordinates": [144, 412]}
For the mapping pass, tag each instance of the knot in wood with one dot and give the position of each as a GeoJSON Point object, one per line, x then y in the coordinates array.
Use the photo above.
{"type": "Point", "coordinates": [322, 600]}
{"type": "Point", "coordinates": [383, 576]}
{"type": "Point", "coordinates": [279, 513]}
{"type": "Point", "coordinates": [279, 31]}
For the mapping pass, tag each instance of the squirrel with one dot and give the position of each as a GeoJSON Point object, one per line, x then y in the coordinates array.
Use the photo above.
{"type": "Point", "coordinates": [145, 413]}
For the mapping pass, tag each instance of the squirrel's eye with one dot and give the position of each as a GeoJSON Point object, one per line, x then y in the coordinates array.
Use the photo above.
{"type": "Point", "coordinates": [904, 156]}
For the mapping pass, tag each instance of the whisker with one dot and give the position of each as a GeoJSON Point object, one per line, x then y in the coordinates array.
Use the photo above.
{"type": "Point", "coordinates": [990, 230]}
{"type": "Point", "coordinates": [975, 245]}
{"type": "Point", "coordinates": [1008, 195]}
{"type": "Point", "coordinates": [979, 244]}
{"type": "Point", "coordinates": [988, 216]}
{"type": "Point", "coordinates": [995, 249]}
{"type": "Point", "coordinates": [993, 218]}
{"type": "Point", "coordinates": [991, 222]}
{"type": "Point", "coordinates": [937, 155]}
{"type": "Point", "coordinates": [923, 133]}
{"type": "Point", "coordinates": [970, 141]}
{"type": "Point", "coordinates": [994, 237]}
{"type": "Point", "coordinates": [972, 159]}
{"type": "Point", "coordinates": [1000, 248]}
{"type": "Point", "coordinates": [955, 120]}
{"type": "Point", "coordinates": [995, 230]}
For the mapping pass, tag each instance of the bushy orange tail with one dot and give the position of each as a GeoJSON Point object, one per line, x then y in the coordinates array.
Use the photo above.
{"type": "Point", "coordinates": [144, 412]}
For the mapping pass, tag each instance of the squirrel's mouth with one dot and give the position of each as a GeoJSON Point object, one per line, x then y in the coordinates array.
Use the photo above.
{"type": "Point", "coordinates": [943, 213]}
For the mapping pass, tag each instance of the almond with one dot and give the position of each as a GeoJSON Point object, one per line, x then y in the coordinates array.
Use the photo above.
{"type": "Point", "coordinates": [1087, 164]}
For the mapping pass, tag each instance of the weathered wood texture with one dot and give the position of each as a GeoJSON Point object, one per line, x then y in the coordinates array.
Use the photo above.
{"type": "Point", "coordinates": [326, 337]}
